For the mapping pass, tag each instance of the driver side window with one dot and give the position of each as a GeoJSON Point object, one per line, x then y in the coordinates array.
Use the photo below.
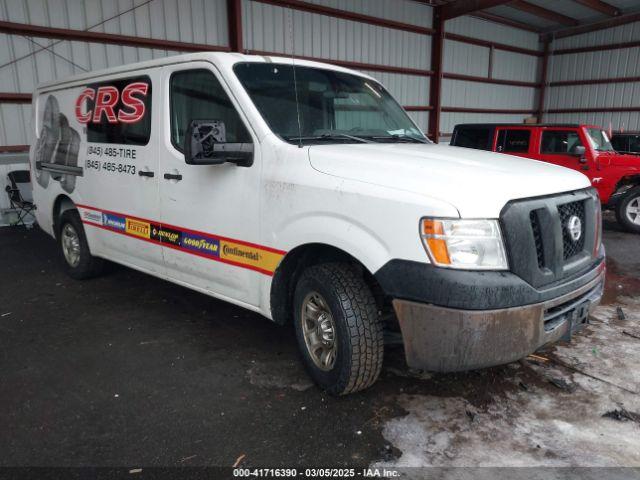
{"type": "Point", "coordinates": [198, 95]}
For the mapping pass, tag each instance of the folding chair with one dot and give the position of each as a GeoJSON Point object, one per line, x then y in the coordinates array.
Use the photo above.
{"type": "Point", "coordinates": [19, 191]}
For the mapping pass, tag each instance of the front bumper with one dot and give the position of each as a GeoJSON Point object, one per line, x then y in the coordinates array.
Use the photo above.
{"type": "Point", "coordinates": [447, 339]}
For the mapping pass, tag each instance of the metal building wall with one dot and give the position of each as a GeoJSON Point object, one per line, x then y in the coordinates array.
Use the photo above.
{"type": "Point", "coordinates": [292, 32]}
{"type": "Point", "coordinates": [612, 63]}
{"type": "Point", "coordinates": [24, 63]}
{"type": "Point", "coordinates": [466, 59]}
{"type": "Point", "coordinates": [266, 27]}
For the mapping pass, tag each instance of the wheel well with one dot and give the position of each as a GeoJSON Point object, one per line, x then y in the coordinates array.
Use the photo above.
{"type": "Point", "coordinates": [630, 180]}
{"type": "Point", "coordinates": [299, 259]}
{"type": "Point", "coordinates": [61, 205]}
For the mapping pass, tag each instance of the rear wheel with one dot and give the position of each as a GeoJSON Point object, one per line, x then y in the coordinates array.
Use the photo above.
{"type": "Point", "coordinates": [628, 210]}
{"type": "Point", "coordinates": [76, 256]}
{"type": "Point", "coordinates": [338, 328]}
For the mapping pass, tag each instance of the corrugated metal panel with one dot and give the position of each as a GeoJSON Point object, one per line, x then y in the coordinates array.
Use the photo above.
{"type": "Point", "coordinates": [622, 62]}
{"type": "Point", "coordinates": [618, 120]}
{"type": "Point", "coordinates": [406, 11]}
{"type": "Point", "coordinates": [407, 89]}
{"type": "Point", "coordinates": [289, 31]}
{"type": "Point", "coordinates": [491, 31]}
{"type": "Point", "coordinates": [465, 59]}
{"type": "Point", "coordinates": [622, 33]}
{"type": "Point", "coordinates": [569, 9]}
{"type": "Point", "coordinates": [595, 96]}
{"type": "Point", "coordinates": [450, 120]}
{"type": "Point", "coordinates": [199, 21]}
{"type": "Point", "coordinates": [421, 119]}
{"type": "Point", "coordinates": [515, 66]}
{"type": "Point", "coordinates": [60, 60]}
{"type": "Point", "coordinates": [14, 124]}
{"type": "Point", "coordinates": [520, 16]}
{"type": "Point", "coordinates": [458, 93]}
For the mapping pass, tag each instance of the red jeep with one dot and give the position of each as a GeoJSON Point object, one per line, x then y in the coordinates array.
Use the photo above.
{"type": "Point", "coordinates": [585, 148]}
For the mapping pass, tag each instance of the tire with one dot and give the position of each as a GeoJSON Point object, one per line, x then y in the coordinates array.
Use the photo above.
{"type": "Point", "coordinates": [625, 208]}
{"type": "Point", "coordinates": [85, 265]}
{"type": "Point", "coordinates": [357, 344]}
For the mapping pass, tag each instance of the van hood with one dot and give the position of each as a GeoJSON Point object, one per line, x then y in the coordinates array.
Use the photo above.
{"type": "Point", "coordinates": [476, 182]}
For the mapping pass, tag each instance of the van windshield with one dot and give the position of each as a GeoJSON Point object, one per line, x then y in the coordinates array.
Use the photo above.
{"type": "Point", "coordinates": [599, 140]}
{"type": "Point", "coordinates": [333, 107]}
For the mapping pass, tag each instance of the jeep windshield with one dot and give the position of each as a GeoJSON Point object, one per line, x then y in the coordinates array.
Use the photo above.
{"type": "Point", "coordinates": [332, 107]}
{"type": "Point", "coordinates": [599, 140]}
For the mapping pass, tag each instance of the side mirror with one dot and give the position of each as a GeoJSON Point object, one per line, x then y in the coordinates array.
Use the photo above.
{"type": "Point", "coordinates": [579, 151]}
{"type": "Point", "coordinates": [205, 143]}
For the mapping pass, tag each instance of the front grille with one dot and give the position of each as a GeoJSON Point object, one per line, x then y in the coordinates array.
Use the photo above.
{"type": "Point", "coordinates": [571, 247]}
{"type": "Point", "coordinates": [540, 246]}
{"type": "Point", "coordinates": [537, 237]}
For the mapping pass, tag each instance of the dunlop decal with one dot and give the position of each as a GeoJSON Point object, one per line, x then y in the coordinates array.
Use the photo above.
{"type": "Point", "coordinates": [138, 228]}
{"type": "Point", "coordinates": [237, 253]}
{"type": "Point", "coordinates": [165, 235]}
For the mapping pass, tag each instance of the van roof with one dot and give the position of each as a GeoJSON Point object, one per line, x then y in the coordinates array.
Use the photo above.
{"type": "Point", "coordinates": [220, 58]}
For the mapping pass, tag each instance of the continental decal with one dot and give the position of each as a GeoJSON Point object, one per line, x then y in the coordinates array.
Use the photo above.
{"type": "Point", "coordinates": [202, 244]}
{"type": "Point", "coordinates": [248, 255]}
{"type": "Point", "coordinates": [233, 252]}
{"type": "Point", "coordinates": [165, 235]}
{"type": "Point", "coordinates": [114, 221]}
{"type": "Point", "coordinates": [138, 228]}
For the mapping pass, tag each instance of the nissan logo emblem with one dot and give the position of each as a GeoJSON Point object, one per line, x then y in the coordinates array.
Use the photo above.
{"type": "Point", "coordinates": [574, 227]}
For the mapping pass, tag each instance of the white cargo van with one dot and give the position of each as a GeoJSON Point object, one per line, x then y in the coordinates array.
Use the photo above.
{"type": "Point", "coordinates": [304, 192]}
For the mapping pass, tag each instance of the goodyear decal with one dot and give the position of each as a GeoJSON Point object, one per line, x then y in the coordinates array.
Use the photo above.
{"type": "Point", "coordinates": [234, 252]}
{"type": "Point", "coordinates": [138, 228]}
{"type": "Point", "coordinates": [204, 244]}
{"type": "Point", "coordinates": [114, 221]}
{"type": "Point", "coordinates": [165, 235]}
{"type": "Point", "coordinates": [249, 255]}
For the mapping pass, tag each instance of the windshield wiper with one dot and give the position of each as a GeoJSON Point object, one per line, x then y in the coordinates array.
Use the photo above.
{"type": "Point", "coordinates": [330, 136]}
{"type": "Point", "coordinates": [400, 138]}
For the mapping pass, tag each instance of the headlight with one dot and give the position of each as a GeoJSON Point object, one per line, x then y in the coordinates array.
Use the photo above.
{"type": "Point", "coordinates": [464, 244]}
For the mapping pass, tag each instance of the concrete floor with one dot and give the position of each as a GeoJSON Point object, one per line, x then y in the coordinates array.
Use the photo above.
{"type": "Point", "coordinates": [130, 370]}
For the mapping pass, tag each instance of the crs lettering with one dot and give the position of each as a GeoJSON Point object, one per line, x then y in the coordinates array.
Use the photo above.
{"type": "Point", "coordinates": [126, 106]}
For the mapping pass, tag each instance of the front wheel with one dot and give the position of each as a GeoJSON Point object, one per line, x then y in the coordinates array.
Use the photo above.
{"type": "Point", "coordinates": [338, 328]}
{"type": "Point", "coordinates": [628, 210]}
{"type": "Point", "coordinates": [76, 256]}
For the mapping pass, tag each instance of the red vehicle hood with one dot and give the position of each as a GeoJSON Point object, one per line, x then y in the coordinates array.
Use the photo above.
{"type": "Point", "coordinates": [619, 160]}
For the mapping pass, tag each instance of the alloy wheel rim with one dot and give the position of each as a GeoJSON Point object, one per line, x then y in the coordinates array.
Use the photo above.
{"type": "Point", "coordinates": [633, 211]}
{"type": "Point", "coordinates": [319, 331]}
{"type": "Point", "coordinates": [71, 245]}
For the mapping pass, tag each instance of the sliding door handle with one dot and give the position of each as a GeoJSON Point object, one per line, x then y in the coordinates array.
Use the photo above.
{"type": "Point", "coordinates": [145, 173]}
{"type": "Point", "coordinates": [172, 176]}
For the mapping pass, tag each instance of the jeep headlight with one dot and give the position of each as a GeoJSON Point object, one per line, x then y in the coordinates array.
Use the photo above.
{"type": "Point", "coordinates": [464, 244]}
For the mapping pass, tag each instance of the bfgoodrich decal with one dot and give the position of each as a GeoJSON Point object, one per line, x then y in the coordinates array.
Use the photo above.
{"type": "Point", "coordinates": [261, 259]}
